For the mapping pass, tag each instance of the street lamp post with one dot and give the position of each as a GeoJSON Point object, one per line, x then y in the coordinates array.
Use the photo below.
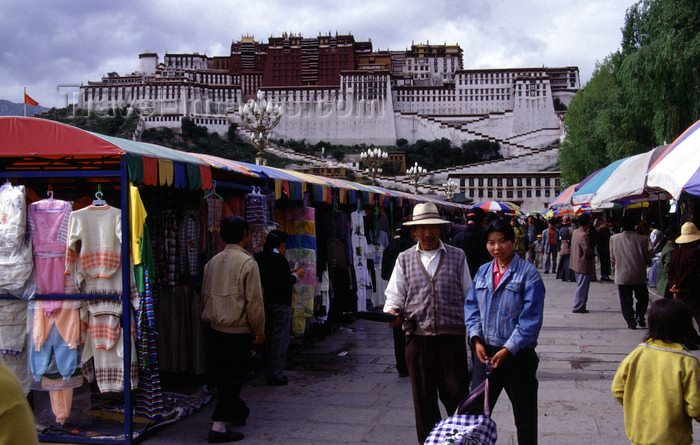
{"type": "Point", "coordinates": [416, 173]}
{"type": "Point", "coordinates": [373, 158]}
{"type": "Point", "coordinates": [259, 117]}
{"type": "Point", "coordinates": [449, 188]}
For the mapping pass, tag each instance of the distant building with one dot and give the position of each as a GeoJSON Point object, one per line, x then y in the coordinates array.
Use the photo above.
{"type": "Point", "coordinates": [340, 90]}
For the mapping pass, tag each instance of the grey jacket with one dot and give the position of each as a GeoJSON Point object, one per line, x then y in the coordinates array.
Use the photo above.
{"type": "Point", "coordinates": [631, 253]}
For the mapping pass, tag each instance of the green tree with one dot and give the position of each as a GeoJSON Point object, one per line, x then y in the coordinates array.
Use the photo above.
{"type": "Point", "coordinates": [584, 148]}
{"type": "Point", "coordinates": [643, 95]}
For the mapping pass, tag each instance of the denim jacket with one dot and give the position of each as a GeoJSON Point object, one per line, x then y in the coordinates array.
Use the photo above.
{"type": "Point", "coordinates": [510, 315]}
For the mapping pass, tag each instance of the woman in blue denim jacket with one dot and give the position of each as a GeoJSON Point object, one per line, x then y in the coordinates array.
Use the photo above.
{"type": "Point", "coordinates": [503, 315]}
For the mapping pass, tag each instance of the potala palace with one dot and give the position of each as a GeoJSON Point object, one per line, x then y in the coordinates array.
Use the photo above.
{"type": "Point", "coordinates": [339, 90]}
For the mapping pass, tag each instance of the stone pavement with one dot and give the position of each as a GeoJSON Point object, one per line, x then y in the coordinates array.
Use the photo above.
{"type": "Point", "coordinates": [345, 390]}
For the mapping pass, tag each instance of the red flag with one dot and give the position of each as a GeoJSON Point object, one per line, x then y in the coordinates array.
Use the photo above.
{"type": "Point", "coordinates": [29, 101]}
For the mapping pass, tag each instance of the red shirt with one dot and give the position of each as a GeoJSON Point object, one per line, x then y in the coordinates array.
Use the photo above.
{"type": "Point", "coordinates": [498, 275]}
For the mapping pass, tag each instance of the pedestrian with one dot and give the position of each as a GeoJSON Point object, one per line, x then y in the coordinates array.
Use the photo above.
{"type": "Point", "coordinates": [472, 240]}
{"type": "Point", "coordinates": [17, 425]}
{"type": "Point", "coordinates": [604, 251]}
{"type": "Point", "coordinates": [656, 237]}
{"type": "Point", "coordinates": [631, 253]}
{"type": "Point", "coordinates": [429, 285]}
{"type": "Point", "coordinates": [593, 239]}
{"type": "Point", "coordinates": [401, 241]}
{"type": "Point", "coordinates": [539, 252]}
{"type": "Point", "coordinates": [563, 271]}
{"type": "Point", "coordinates": [662, 288]}
{"type": "Point", "coordinates": [277, 280]}
{"type": "Point", "coordinates": [658, 383]}
{"type": "Point", "coordinates": [550, 245]}
{"type": "Point", "coordinates": [503, 315]}
{"type": "Point", "coordinates": [684, 269]}
{"type": "Point", "coordinates": [532, 238]}
{"type": "Point", "coordinates": [520, 237]}
{"type": "Point", "coordinates": [581, 262]}
{"type": "Point", "coordinates": [232, 307]}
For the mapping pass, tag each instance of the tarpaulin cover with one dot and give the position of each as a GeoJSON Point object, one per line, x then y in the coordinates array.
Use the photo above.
{"type": "Point", "coordinates": [28, 136]}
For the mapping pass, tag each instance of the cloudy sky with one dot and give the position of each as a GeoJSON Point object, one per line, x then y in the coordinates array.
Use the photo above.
{"type": "Point", "coordinates": [49, 45]}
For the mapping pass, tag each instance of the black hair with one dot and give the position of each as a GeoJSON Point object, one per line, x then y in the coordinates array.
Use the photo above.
{"type": "Point", "coordinates": [670, 320]}
{"type": "Point", "coordinates": [500, 225]}
{"type": "Point", "coordinates": [515, 220]}
{"type": "Point", "coordinates": [476, 216]}
{"type": "Point", "coordinates": [233, 229]}
{"type": "Point", "coordinates": [274, 239]}
{"type": "Point", "coordinates": [584, 219]}
{"type": "Point", "coordinates": [490, 217]}
{"type": "Point", "coordinates": [628, 222]}
{"type": "Point", "coordinates": [671, 232]}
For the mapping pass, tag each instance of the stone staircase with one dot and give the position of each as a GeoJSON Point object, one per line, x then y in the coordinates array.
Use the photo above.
{"type": "Point", "coordinates": [532, 160]}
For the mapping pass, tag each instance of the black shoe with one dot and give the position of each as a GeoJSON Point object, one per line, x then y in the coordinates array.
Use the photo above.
{"type": "Point", "coordinates": [227, 436]}
{"type": "Point", "coordinates": [546, 271]}
{"type": "Point", "coordinates": [641, 323]}
{"type": "Point", "coordinates": [631, 326]}
{"type": "Point", "coordinates": [278, 382]}
{"type": "Point", "coordinates": [580, 311]}
{"type": "Point", "coordinates": [403, 374]}
{"type": "Point", "coordinates": [606, 279]}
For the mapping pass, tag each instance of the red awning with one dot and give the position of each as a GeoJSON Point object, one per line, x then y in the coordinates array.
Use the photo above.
{"type": "Point", "coordinates": [25, 136]}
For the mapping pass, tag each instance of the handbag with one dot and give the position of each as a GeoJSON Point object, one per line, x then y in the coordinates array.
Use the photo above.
{"type": "Point", "coordinates": [467, 429]}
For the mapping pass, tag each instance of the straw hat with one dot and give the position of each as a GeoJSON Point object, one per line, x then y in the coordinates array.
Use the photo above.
{"type": "Point", "coordinates": [689, 233]}
{"type": "Point", "coordinates": [425, 213]}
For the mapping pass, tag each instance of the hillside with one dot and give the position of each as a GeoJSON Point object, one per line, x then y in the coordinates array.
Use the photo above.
{"type": "Point", "coordinates": [191, 138]}
{"type": "Point", "coordinates": [8, 108]}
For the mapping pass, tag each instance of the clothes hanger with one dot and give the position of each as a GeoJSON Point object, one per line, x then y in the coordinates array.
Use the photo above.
{"type": "Point", "coordinates": [213, 191]}
{"type": "Point", "coordinates": [49, 193]}
{"type": "Point", "coordinates": [98, 202]}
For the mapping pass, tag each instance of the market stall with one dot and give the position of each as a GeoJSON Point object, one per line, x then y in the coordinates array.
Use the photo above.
{"type": "Point", "coordinates": [84, 371]}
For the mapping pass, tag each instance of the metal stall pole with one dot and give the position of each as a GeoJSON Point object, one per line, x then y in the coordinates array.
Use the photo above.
{"type": "Point", "coordinates": [126, 300]}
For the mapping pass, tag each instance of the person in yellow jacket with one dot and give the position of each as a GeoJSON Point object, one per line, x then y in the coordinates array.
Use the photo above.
{"type": "Point", "coordinates": [658, 383]}
{"type": "Point", "coordinates": [16, 418]}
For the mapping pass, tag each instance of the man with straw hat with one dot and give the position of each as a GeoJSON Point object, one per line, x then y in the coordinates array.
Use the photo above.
{"type": "Point", "coordinates": [684, 270]}
{"type": "Point", "coordinates": [429, 285]}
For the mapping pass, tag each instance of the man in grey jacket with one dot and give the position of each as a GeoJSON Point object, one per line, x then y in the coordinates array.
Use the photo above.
{"type": "Point", "coordinates": [582, 263]}
{"type": "Point", "coordinates": [429, 285]}
{"type": "Point", "coordinates": [631, 252]}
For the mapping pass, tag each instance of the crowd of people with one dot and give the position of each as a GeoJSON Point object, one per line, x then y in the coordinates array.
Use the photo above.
{"type": "Point", "coordinates": [476, 288]}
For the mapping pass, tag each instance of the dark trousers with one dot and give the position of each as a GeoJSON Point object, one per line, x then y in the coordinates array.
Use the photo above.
{"type": "Point", "coordinates": [438, 369]}
{"type": "Point", "coordinates": [626, 303]}
{"type": "Point", "coordinates": [400, 350]}
{"type": "Point", "coordinates": [552, 255]}
{"type": "Point", "coordinates": [518, 376]}
{"type": "Point", "coordinates": [228, 357]}
{"type": "Point", "coordinates": [278, 320]}
{"type": "Point", "coordinates": [604, 257]}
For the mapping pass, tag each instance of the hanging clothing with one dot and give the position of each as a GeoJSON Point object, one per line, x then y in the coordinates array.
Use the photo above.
{"type": "Point", "coordinates": [149, 395]}
{"type": "Point", "coordinates": [301, 252]}
{"type": "Point", "coordinates": [47, 222]}
{"type": "Point", "coordinates": [188, 238]}
{"type": "Point", "coordinates": [16, 263]}
{"type": "Point", "coordinates": [256, 209]}
{"type": "Point", "coordinates": [137, 218]}
{"type": "Point", "coordinates": [359, 258]}
{"type": "Point", "coordinates": [97, 230]}
{"type": "Point", "coordinates": [94, 248]}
